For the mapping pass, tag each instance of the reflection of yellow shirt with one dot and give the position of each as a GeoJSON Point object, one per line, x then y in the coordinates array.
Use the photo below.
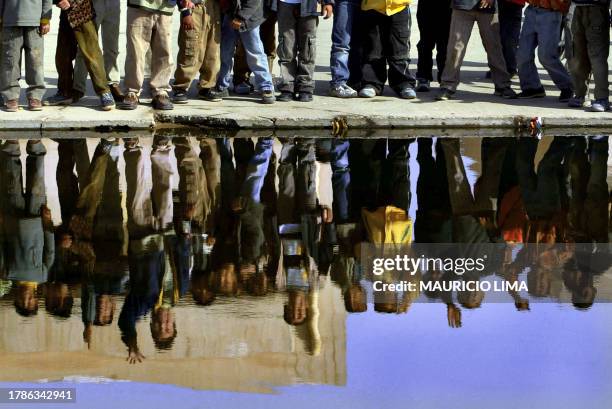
{"type": "Point", "coordinates": [388, 7]}
{"type": "Point", "coordinates": [388, 225]}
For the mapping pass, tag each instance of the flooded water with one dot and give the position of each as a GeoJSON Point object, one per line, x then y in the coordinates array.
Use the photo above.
{"type": "Point", "coordinates": [197, 272]}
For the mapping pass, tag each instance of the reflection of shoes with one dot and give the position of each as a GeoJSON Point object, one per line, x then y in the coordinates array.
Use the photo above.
{"type": "Point", "coordinates": [367, 92]}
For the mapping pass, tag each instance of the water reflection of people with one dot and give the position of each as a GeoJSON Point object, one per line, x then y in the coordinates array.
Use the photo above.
{"type": "Point", "coordinates": [28, 227]}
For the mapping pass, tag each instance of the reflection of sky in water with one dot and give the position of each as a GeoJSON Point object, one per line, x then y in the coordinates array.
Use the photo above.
{"type": "Point", "coordinates": [553, 357]}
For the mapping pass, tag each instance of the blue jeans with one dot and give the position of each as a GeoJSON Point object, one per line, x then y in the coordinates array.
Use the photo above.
{"type": "Point", "coordinates": [255, 56]}
{"type": "Point", "coordinates": [541, 30]}
{"type": "Point", "coordinates": [258, 169]}
{"type": "Point", "coordinates": [341, 179]}
{"type": "Point", "coordinates": [345, 18]}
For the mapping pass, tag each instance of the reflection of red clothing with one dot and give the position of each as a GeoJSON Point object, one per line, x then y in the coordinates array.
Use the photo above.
{"type": "Point", "coordinates": [512, 216]}
{"type": "Point", "coordinates": [519, 2]}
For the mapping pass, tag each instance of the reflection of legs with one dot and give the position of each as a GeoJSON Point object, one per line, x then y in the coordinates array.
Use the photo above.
{"type": "Point", "coordinates": [67, 183]}
{"type": "Point", "coordinates": [12, 179]}
{"type": "Point", "coordinates": [306, 185]}
{"type": "Point", "coordinates": [458, 187]}
{"type": "Point", "coordinates": [193, 191]}
{"type": "Point", "coordinates": [341, 180]}
{"type": "Point", "coordinates": [91, 195]}
{"type": "Point", "coordinates": [227, 174]}
{"type": "Point", "coordinates": [397, 185]}
{"type": "Point", "coordinates": [596, 206]}
{"type": "Point", "coordinates": [286, 183]}
{"type": "Point", "coordinates": [161, 193]}
{"type": "Point", "coordinates": [257, 169]}
{"type": "Point", "coordinates": [35, 193]}
{"type": "Point", "coordinates": [209, 155]}
{"type": "Point", "coordinates": [486, 190]}
{"type": "Point", "coordinates": [110, 215]}
{"type": "Point", "coordinates": [138, 177]}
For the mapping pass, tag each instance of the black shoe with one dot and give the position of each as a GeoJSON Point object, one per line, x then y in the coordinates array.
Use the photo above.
{"type": "Point", "coordinates": [208, 94]}
{"type": "Point", "coordinates": [267, 97]}
{"type": "Point", "coordinates": [217, 94]}
{"type": "Point", "coordinates": [566, 95]}
{"type": "Point", "coordinates": [506, 93]}
{"type": "Point", "coordinates": [285, 96]}
{"type": "Point", "coordinates": [180, 96]}
{"type": "Point", "coordinates": [117, 93]}
{"type": "Point", "coordinates": [532, 93]}
{"type": "Point", "coordinates": [304, 97]}
{"type": "Point", "coordinates": [58, 99]}
{"type": "Point", "coordinates": [162, 102]}
{"type": "Point", "coordinates": [445, 94]}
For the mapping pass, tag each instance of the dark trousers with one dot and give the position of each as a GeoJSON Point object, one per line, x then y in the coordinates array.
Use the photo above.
{"type": "Point", "coordinates": [69, 40]}
{"type": "Point", "coordinates": [387, 42]}
{"type": "Point", "coordinates": [433, 18]}
{"type": "Point", "coordinates": [510, 17]}
{"type": "Point", "coordinates": [267, 32]}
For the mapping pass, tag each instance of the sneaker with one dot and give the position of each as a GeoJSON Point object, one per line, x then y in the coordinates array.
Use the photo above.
{"type": "Point", "coordinates": [106, 101]}
{"type": "Point", "coordinates": [576, 102]}
{"type": "Point", "coordinates": [423, 86]}
{"type": "Point", "coordinates": [342, 91]}
{"type": "Point", "coordinates": [367, 92]}
{"type": "Point", "coordinates": [445, 94]}
{"type": "Point", "coordinates": [304, 97]}
{"type": "Point", "coordinates": [58, 99]}
{"type": "Point", "coordinates": [162, 102]}
{"type": "Point", "coordinates": [267, 96]}
{"type": "Point", "coordinates": [34, 104]}
{"type": "Point", "coordinates": [407, 93]}
{"type": "Point", "coordinates": [207, 94]}
{"type": "Point", "coordinates": [566, 95]}
{"type": "Point", "coordinates": [12, 105]}
{"type": "Point", "coordinates": [285, 96]}
{"type": "Point", "coordinates": [599, 105]}
{"type": "Point", "coordinates": [180, 96]}
{"type": "Point", "coordinates": [116, 91]}
{"type": "Point", "coordinates": [506, 93]}
{"type": "Point", "coordinates": [130, 101]}
{"type": "Point", "coordinates": [244, 88]}
{"type": "Point", "coordinates": [532, 93]}
{"type": "Point", "coordinates": [218, 94]}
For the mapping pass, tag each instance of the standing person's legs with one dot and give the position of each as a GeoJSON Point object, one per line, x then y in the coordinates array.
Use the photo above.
{"type": "Point", "coordinates": [398, 51]}
{"type": "Point", "coordinates": [110, 40]}
{"type": "Point", "coordinates": [288, 33]}
{"type": "Point", "coordinates": [598, 48]}
{"type": "Point", "coordinates": [342, 32]}
{"type": "Point", "coordinates": [87, 39]}
{"type": "Point", "coordinates": [80, 70]}
{"type": "Point", "coordinates": [229, 37]}
{"type": "Point", "coordinates": [34, 49]}
{"type": "Point", "coordinates": [488, 26]}
{"type": "Point", "coordinates": [580, 64]}
{"type": "Point", "coordinates": [528, 72]}
{"type": "Point", "coordinates": [192, 45]}
{"type": "Point", "coordinates": [427, 21]}
{"type": "Point", "coordinates": [257, 60]}
{"type": "Point", "coordinates": [460, 31]}
{"type": "Point", "coordinates": [267, 32]}
{"type": "Point", "coordinates": [211, 36]}
{"type": "Point", "coordinates": [65, 53]}
{"type": "Point", "coordinates": [161, 55]}
{"type": "Point", "coordinates": [510, 16]}
{"type": "Point", "coordinates": [374, 67]}
{"type": "Point", "coordinates": [549, 35]}
{"type": "Point", "coordinates": [139, 34]}
{"type": "Point", "coordinates": [443, 20]}
{"type": "Point", "coordinates": [307, 42]}
{"type": "Point", "coordinates": [10, 61]}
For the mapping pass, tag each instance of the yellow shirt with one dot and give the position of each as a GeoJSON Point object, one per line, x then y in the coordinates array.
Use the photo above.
{"type": "Point", "coordinates": [387, 7]}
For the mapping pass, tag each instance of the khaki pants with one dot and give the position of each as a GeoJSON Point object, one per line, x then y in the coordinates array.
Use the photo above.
{"type": "Point", "coordinates": [199, 49]}
{"type": "Point", "coordinates": [462, 23]}
{"type": "Point", "coordinates": [146, 30]}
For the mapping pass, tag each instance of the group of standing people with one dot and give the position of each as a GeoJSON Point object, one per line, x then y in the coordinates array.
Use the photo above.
{"type": "Point", "coordinates": [370, 48]}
